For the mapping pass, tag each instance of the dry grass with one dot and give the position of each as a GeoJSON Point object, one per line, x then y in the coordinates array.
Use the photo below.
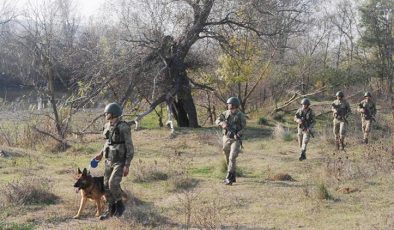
{"type": "Point", "coordinates": [28, 191]}
{"type": "Point", "coordinates": [330, 190]}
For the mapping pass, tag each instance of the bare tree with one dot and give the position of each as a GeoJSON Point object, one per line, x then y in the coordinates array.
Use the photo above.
{"type": "Point", "coordinates": [166, 34]}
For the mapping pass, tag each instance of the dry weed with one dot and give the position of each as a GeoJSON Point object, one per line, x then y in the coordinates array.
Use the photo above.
{"type": "Point", "coordinates": [28, 191]}
{"type": "Point", "coordinates": [144, 172]}
{"type": "Point", "coordinates": [282, 133]}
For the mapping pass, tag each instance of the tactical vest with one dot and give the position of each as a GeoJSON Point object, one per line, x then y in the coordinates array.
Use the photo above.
{"type": "Point", "coordinates": [116, 148]}
{"type": "Point", "coordinates": [306, 117]}
{"type": "Point", "coordinates": [234, 122]}
{"type": "Point", "coordinates": [342, 109]}
{"type": "Point", "coordinates": [369, 109]}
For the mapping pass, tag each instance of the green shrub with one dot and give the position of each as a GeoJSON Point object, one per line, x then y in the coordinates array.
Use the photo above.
{"type": "Point", "coordinates": [278, 116]}
{"type": "Point", "coordinates": [262, 121]}
{"type": "Point", "coordinates": [323, 193]}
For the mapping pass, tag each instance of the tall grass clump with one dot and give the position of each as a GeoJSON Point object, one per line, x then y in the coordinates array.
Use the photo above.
{"type": "Point", "coordinates": [28, 191]}
{"type": "Point", "coordinates": [147, 173]}
{"type": "Point", "coordinates": [323, 193]}
{"type": "Point", "coordinates": [282, 133]}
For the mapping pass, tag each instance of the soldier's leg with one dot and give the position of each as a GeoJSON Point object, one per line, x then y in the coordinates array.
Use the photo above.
{"type": "Point", "coordinates": [367, 130]}
{"type": "Point", "coordinates": [231, 172]}
{"type": "Point", "coordinates": [299, 135]}
{"type": "Point", "coordinates": [342, 133]}
{"type": "Point", "coordinates": [235, 149]}
{"type": "Point", "coordinates": [108, 195]}
{"type": "Point", "coordinates": [114, 186]}
{"type": "Point", "coordinates": [336, 126]}
{"type": "Point", "coordinates": [226, 149]}
{"type": "Point", "coordinates": [305, 141]}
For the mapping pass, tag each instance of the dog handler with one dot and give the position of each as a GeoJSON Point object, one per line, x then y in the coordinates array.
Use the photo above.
{"type": "Point", "coordinates": [118, 152]}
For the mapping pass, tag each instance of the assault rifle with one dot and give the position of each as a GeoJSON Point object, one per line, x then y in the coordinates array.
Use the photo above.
{"type": "Point", "coordinates": [340, 113]}
{"type": "Point", "coordinates": [367, 113]}
{"type": "Point", "coordinates": [232, 133]}
{"type": "Point", "coordinates": [305, 124]}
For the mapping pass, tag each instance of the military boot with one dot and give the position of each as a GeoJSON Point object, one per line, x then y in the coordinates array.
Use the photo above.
{"type": "Point", "coordinates": [365, 140]}
{"type": "Point", "coordinates": [337, 144]}
{"type": "Point", "coordinates": [109, 212]}
{"type": "Point", "coordinates": [303, 155]}
{"type": "Point", "coordinates": [119, 208]}
{"type": "Point", "coordinates": [234, 177]}
{"type": "Point", "coordinates": [228, 180]}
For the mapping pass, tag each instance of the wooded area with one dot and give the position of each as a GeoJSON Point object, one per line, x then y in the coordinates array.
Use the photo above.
{"type": "Point", "coordinates": [191, 55]}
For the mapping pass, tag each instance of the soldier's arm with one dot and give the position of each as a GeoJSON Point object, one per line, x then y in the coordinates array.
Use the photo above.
{"type": "Point", "coordinates": [126, 131]}
{"type": "Point", "coordinates": [312, 120]}
{"type": "Point", "coordinates": [296, 117]}
{"type": "Point", "coordinates": [373, 109]}
{"type": "Point", "coordinates": [349, 110]}
{"type": "Point", "coordinates": [243, 125]}
{"type": "Point", "coordinates": [333, 107]}
{"type": "Point", "coordinates": [220, 119]}
{"type": "Point", "coordinates": [105, 136]}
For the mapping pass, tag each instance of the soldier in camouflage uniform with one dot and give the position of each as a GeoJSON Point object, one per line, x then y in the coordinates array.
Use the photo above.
{"type": "Point", "coordinates": [305, 118]}
{"type": "Point", "coordinates": [367, 108]}
{"type": "Point", "coordinates": [341, 110]}
{"type": "Point", "coordinates": [118, 152]}
{"type": "Point", "coordinates": [233, 123]}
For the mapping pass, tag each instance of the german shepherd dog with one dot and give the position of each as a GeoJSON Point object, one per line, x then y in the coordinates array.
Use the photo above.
{"type": "Point", "coordinates": [91, 188]}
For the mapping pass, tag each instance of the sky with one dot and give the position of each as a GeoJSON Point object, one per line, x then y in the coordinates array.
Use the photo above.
{"type": "Point", "coordinates": [88, 7]}
{"type": "Point", "coordinates": [85, 7]}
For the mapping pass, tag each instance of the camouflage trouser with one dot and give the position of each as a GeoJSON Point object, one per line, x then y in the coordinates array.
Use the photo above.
{"type": "Point", "coordinates": [112, 177]}
{"type": "Point", "coordinates": [303, 138]}
{"type": "Point", "coordinates": [366, 126]}
{"type": "Point", "coordinates": [231, 149]}
{"type": "Point", "coordinates": [339, 129]}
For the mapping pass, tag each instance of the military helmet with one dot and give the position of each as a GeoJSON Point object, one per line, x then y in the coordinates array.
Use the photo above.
{"type": "Point", "coordinates": [367, 94]}
{"type": "Point", "coordinates": [339, 94]}
{"type": "Point", "coordinates": [233, 101]}
{"type": "Point", "coordinates": [305, 101]}
{"type": "Point", "coordinates": [113, 108]}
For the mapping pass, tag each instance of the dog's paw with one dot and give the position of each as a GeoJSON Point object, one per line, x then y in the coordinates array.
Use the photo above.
{"type": "Point", "coordinates": [97, 214]}
{"type": "Point", "coordinates": [76, 217]}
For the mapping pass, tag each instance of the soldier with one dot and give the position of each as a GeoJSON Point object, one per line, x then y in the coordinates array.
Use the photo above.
{"type": "Point", "coordinates": [118, 152]}
{"type": "Point", "coordinates": [367, 108]}
{"type": "Point", "coordinates": [341, 110]}
{"type": "Point", "coordinates": [233, 123]}
{"type": "Point", "coordinates": [305, 118]}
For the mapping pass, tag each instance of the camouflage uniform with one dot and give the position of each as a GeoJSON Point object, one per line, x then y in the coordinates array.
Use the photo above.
{"type": "Point", "coordinates": [367, 116]}
{"type": "Point", "coordinates": [118, 152]}
{"type": "Point", "coordinates": [304, 130]}
{"type": "Point", "coordinates": [341, 110]}
{"type": "Point", "coordinates": [231, 144]}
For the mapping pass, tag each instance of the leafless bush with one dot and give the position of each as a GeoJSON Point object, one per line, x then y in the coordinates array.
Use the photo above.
{"type": "Point", "coordinates": [146, 173]}
{"type": "Point", "coordinates": [207, 213]}
{"type": "Point", "coordinates": [282, 133]}
{"type": "Point", "coordinates": [376, 158]}
{"type": "Point", "coordinates": [180, 178]}
{"type": "Point", "coordinates": [28, 191]}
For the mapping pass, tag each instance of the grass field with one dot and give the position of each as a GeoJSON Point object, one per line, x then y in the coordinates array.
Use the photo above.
{"type": "Point", "coordinates": [176, 182]}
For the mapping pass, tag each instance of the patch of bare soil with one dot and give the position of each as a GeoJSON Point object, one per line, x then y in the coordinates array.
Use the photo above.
{"type": "Point", "coordinates": [281, 177]}
{"type": "Point", "coordinates": [348, 190]}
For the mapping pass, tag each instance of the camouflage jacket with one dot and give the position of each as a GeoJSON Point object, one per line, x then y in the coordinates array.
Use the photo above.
{"type": "Point", "coordinates": [236, 122]}
{"type": "Point", "coordinates": [306, 116]}
{"type": "Point", "coordinates": [341, 109]}
{"type": "Point", "coordinates": [369, 109]}
{"type": "Point", "coordinates": [119, 147]}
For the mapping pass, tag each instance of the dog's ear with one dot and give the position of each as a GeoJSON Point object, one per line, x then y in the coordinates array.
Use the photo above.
{"type": "Point", "coordinates": [85, 172]}
{"type": "Point", "coordinates": [79, 171]}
